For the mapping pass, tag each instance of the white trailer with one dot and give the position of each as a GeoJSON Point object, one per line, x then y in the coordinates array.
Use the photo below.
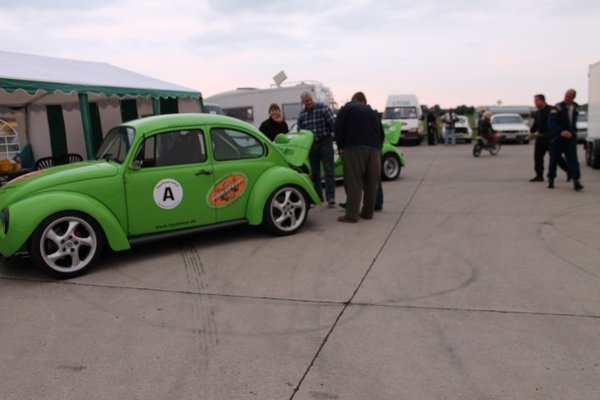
{"type": "Point", "coordinates": [592, 141]}
{"type": "Point", "coordinates": [252, 104]}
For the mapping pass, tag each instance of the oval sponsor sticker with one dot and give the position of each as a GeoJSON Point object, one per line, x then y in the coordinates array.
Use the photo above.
{"type": "Point", "coordinates": [168, 193]}
{"type": "Point", "coordinates": [227, 190]}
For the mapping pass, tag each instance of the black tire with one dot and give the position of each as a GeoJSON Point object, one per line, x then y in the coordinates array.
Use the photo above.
{"type": "Point", "coordinates": [477, 149]}
{"type": "Point", "coordinates": [526, 142]}
{"type": "Point", "coordinates": [66, 244]}
{"type": "Point", "coordinates": [469, 141]}
{"type": "Point", "coordinates": [390, 167]}
{"type": "Point", "coordinates": [595, 157]}
{"type": "Point", "coordinates": [588, 154]}
{"type": "Point", "coordinates": [496, 149]}
{"type": "Point", "coordinates": [286, 210]}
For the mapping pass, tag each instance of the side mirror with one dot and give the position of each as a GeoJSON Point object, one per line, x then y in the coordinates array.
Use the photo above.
{"type": "Point", "coordinates": [136, 165]}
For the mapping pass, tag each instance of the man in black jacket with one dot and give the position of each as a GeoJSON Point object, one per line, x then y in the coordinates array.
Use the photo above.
{"type": "Point", "coordinates": [359, 137]}
{"type": "Point", "coordinates": [542, 139]}
{"type": "Point", "coordinates": [562, 124]}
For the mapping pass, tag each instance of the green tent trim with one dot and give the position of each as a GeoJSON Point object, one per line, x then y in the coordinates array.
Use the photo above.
{"type": "Point", "coordinates": [33, 87]}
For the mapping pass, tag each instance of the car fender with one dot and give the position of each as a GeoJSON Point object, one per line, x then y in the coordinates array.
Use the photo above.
{"type": "Point", "coordinates": [27, 214]}
{"type": "Point", "coordinates": [268, 182]}
{"type": "Point", "coordinates": [388, 148]}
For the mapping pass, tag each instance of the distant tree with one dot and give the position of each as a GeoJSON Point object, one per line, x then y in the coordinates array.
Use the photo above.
{"type": "Point", "coordinates": [465, 110]}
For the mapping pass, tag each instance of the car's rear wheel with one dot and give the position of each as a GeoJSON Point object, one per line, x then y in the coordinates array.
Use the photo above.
{"type": "Point", "coordinates": [66, 244]}
{"type": "Point", "coordinates": [286, 211]}
{"type": "Point", "coordinates": [588, 154]}
{"type": "Point", "coordinates": [390, 167]}
{"type": "Point", "coordinates": [594, 156]}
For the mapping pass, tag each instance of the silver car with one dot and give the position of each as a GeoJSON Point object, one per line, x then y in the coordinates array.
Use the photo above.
{"type": "Point", "coordinates": [511, 127]}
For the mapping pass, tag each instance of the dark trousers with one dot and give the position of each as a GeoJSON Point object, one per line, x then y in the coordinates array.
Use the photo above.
{"type": "Point", "coordinates": [322, 153]}
{"type": "Point", "coordinates": [362, 176]}
{"type": "Point", "coordinates": [568, 147]}
{"type": "Point", "coordinates": [542, 146]}
{"type": "Point", "coordinates": [379, 197]}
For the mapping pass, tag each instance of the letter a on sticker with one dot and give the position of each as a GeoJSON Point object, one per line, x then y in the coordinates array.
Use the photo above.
{"type": "Point", "coordinates": [168, 195]}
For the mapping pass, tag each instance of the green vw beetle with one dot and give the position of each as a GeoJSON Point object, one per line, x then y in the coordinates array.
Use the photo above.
{"type": "Point", "coordinates": [156, 178]}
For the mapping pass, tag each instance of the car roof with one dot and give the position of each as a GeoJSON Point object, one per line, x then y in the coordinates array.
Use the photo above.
{"type": "Point", "coordinates": [186, 119]}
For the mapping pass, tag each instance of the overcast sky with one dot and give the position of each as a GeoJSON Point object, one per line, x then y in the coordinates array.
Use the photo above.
{"type": "Point", "coordinates": [448, 52]}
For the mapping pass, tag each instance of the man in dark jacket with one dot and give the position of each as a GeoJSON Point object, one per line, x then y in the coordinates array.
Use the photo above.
{"type": "Point", "coordinates": [431, 127]}
{"type": "Point", "coordinates": [542, 139]}
{"type": "Point", "coordinates": [562, 124]}
{"type": "Point", "coordinates": [359, 138]}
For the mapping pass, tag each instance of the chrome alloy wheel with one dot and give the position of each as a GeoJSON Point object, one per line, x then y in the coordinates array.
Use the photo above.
{"type": "Point", "coordinates": [68, 244]}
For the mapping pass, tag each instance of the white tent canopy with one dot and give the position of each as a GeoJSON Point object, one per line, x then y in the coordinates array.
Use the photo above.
{"type": "Point", "coordinates": [29, 81]}
{"type": "Point", "coordinates": [37, 74]}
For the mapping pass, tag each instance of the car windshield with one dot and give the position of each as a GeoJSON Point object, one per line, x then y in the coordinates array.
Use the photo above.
{"type": "Point", "coordinates": [400, 113]}
{"type": "Point", "coordinates": [116, 144]}
{"type": "Point", "coordinates": [508, 119]}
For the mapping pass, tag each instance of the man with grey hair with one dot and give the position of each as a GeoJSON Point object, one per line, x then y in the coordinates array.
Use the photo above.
{"type": "Point", "coordinates": [319, 119]}
{"type": "Point", "coordinates": [562, 124]}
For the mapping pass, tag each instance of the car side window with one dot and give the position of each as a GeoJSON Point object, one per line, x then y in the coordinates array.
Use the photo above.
{"type": "Point", "coordinates": [173, 148]}
{"type": "Point", "coordinates": [231, 144]}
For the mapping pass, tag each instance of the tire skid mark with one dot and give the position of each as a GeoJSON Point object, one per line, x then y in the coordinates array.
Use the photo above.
{"type": "Point", "coordinates": [549, 227]}
{"type": "Point", "coordinates": [203, 313]}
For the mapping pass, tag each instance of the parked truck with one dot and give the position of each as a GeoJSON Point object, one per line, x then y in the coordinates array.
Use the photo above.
{"type": "Point", "coordinates": [592, 140]}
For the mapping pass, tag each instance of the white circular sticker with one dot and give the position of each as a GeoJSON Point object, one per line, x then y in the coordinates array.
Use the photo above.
{"type": "Point", "coordinates": [168, 193]}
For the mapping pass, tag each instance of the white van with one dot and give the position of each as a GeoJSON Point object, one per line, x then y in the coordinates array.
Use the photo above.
{"type": "Point", "coordinates": [406, 109]}
{"type": "Point", "coordinates": [252, 104]}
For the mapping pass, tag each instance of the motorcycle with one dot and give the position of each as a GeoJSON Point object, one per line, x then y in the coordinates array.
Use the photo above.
{"type": "Point", "coordinates": [492, 145]}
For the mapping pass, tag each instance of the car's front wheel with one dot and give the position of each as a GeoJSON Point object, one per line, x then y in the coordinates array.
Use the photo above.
{"type": "Point", "coordinates": [66, 244]}
{"type": "Point", "coordinates": [390, 167]}
{"type": "Point", "coordinates": [286, 210]}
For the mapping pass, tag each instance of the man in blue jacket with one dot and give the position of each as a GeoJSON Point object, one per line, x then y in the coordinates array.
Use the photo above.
{"type": "Point", "coordinates": [562, 123]}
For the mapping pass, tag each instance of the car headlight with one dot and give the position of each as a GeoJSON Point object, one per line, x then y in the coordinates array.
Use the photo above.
{"type": "Point", "coordinates": [5, 217]}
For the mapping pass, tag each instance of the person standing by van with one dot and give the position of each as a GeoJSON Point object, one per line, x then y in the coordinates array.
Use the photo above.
{"type": "Point", "coordinates": [319, 119]}
{"type": "Point", "coordinates": [450, 120]}
{"type": "Point", "coordinates": [275, 124]}
{"type": "Point", "coordinates": [431, 122]}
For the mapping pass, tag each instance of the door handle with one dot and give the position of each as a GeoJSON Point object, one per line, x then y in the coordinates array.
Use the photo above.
{"type": "Point", "coordinates": [204, 172]}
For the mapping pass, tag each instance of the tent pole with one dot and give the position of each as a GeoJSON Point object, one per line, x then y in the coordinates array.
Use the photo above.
{"type": "Point", "coordinates": [86, 121]}
{"type": "Point", "coordinates": [155, 106]}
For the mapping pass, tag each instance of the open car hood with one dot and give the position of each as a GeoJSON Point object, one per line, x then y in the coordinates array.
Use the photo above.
{"type": "Point", "coordinates": [392, 131]}
{"type": "Point", "coordinates": [294, 146]}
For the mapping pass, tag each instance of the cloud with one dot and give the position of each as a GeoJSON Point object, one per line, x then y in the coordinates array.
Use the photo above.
{"type": "Point", "coordinates": [440, 49]}
{"type": "Point", "coordinates": [8, 5]}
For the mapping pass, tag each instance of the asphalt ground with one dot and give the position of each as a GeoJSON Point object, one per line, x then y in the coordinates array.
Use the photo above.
{"type": "Point", "coordinates": [471, 284]}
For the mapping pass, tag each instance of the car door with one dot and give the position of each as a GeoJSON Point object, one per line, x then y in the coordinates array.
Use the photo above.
{"type": "Point", "coordinates": [239, 158]}
{"type": "Point", "coordinates": [167, 185]}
